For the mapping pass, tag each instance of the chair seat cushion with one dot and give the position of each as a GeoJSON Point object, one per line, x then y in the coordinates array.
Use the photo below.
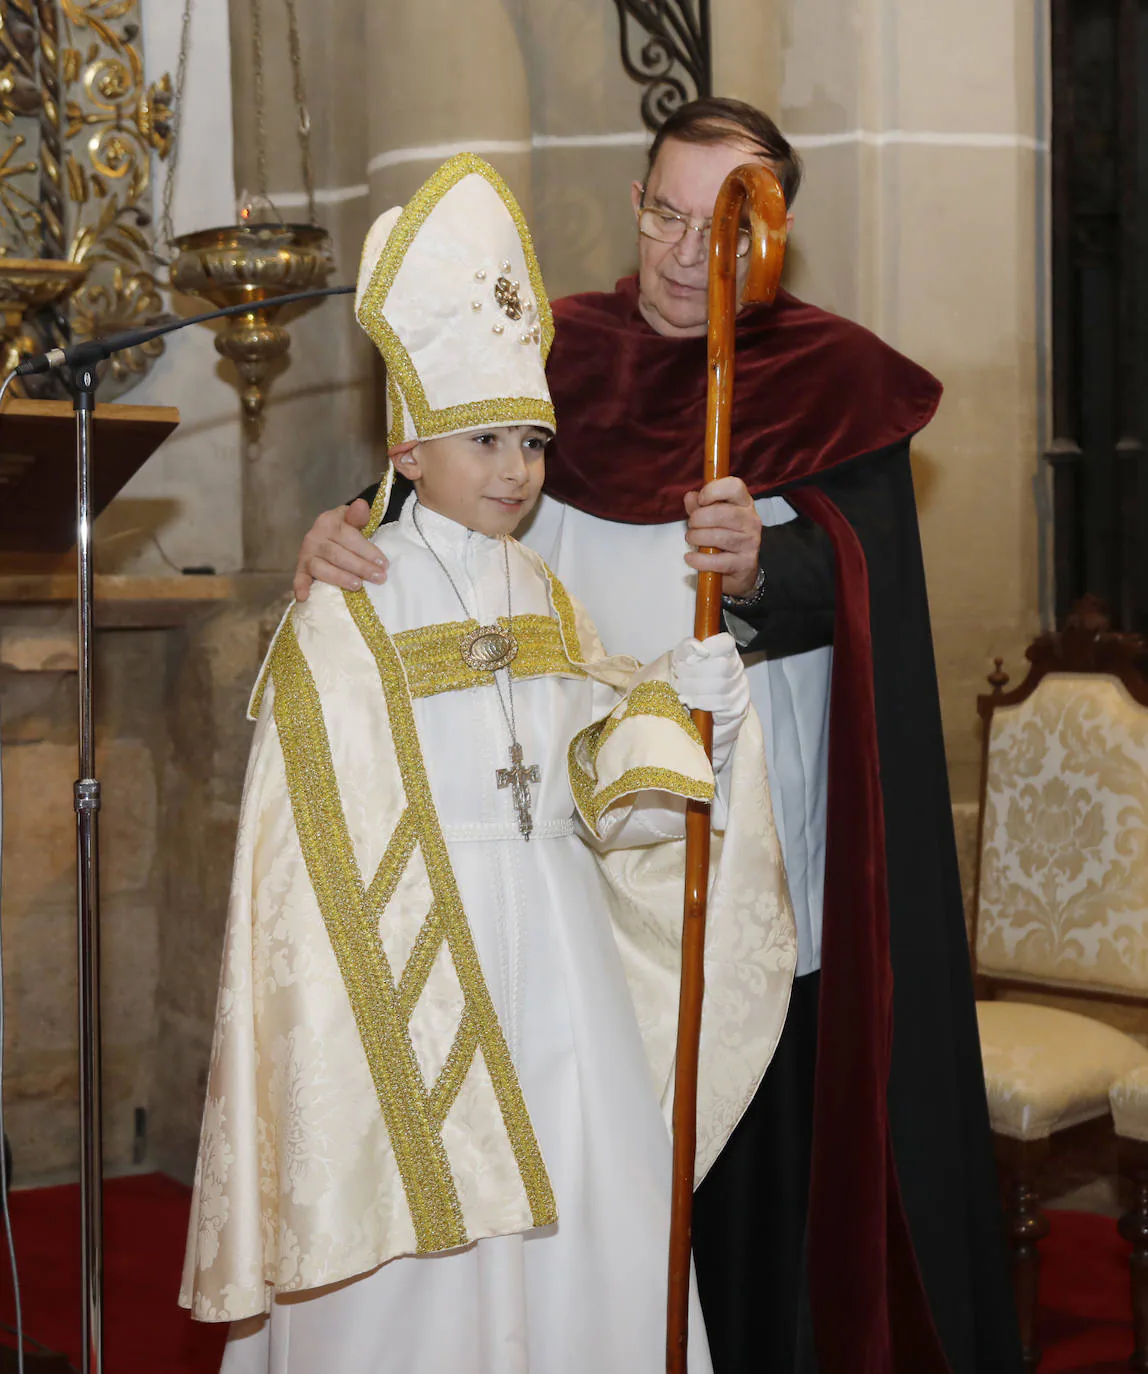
{"type": "Point", "coordinates": [1128, 1098]}
{"type": "Point", "coordinates": [1046, 1070]}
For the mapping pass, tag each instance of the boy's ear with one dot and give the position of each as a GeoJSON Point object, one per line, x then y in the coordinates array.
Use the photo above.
{"type": "Point", "coordinates": [409, 464]}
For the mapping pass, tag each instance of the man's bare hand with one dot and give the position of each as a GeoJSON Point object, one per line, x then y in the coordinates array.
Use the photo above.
{"type": "Point", "coordinates": [335, 551]}
{"type": "Point", "coordinates": [722, 516]}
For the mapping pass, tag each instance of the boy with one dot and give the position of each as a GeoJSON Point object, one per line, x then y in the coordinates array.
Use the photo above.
{"type": "Point", "coordinates": [432, 1143]}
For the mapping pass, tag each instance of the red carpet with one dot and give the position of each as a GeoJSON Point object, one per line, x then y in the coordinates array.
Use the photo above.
{"type": "Point", "coordinates": [1086, 1318]}
{"type": "Point", "coordinates": [1086, 1307]}
{"type": "Point", "coordinates": [145, 1223]}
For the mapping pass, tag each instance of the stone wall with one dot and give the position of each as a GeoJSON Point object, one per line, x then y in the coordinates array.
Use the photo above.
{"type": "Point", "coordinates": [171, 748]}
{"type": "Point", "coordinates": [923, 216]}
{"type": "Point", "coordinates": [211, 672]}
{"type": "Point", "coordinates": [37, 726]}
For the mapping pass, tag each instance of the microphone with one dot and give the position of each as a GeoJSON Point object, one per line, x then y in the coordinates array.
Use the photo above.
{"type": "Point", "coordinates": [93, 351]}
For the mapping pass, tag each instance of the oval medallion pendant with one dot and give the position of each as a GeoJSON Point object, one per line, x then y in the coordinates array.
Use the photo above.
{"type": "Point", "coordinates": [487, 648]}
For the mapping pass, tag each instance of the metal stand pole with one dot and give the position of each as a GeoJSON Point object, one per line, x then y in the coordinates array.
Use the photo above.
{"type": "Point", "coordinates": [87, 803]}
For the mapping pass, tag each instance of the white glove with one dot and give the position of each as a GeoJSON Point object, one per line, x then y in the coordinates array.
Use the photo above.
{"type": "Point", "coordinates": [708, 675]}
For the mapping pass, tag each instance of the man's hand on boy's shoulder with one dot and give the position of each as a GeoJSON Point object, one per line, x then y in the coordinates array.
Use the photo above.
{"type": "Point", "coordinates": [335, 551]}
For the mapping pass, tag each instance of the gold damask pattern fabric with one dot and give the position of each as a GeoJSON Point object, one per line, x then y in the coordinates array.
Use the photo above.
{"type": "Point", "coordinates": [1128, 1098]}
{"type": "Point", "coordinates": [1046, 1070]}
{"type": "Point", "coordinates": [751, 941]}
{"type": "Point", "coordinates": [1064, 862]}
{"type": "Point", "coordinates": [361, 1102]}
{"type": "Point", "coordinates": [413, 1109]}
{"type": "Point", "coordinates": [609, 760]}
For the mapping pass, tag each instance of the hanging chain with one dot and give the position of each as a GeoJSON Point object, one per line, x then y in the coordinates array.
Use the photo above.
{"type": "Point", "coordinates": [260, 122]}
{"type": "Point", "coordinates": [166, 228]}
{"type": "Point", "coordinates": [302, 113]}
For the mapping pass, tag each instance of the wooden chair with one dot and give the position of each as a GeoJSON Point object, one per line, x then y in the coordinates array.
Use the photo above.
{"type": "Point", "coordinates": [1128, 1098]}
{"type": "Point", "coordinates": [1061, 907]}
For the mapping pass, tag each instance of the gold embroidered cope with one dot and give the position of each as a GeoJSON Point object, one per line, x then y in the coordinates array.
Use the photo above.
{"type": "Point", "coordinates": [383, 1004]}
{"type": "Point", "coordinates": [362, 1102]}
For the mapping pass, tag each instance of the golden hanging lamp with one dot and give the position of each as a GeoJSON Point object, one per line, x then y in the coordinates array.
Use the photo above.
{"type": "Point", "coordinates": [257, 259]}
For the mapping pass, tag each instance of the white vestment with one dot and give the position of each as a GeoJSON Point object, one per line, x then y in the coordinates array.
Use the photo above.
{"type": "Point", "coordinates": [640, 594]}
{"type": "Point", "coordinates": [298, 1205]}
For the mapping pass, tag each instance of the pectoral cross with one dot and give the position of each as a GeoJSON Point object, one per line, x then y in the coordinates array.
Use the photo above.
{"type": "Point", "coordinates": [518, 777]}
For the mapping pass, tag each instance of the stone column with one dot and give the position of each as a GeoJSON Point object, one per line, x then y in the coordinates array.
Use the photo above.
{"type": "Point", "coordinates": [747, 46]}
{"type": "Point", "coordinates": [920, 217]}
{"type": "Point", "coordinates": [316, 446]}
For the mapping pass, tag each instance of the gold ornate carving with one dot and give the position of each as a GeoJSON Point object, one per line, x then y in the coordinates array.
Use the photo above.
{"type": "Point", "coordinates": [112, 121]}
{"type": "Point", "coordinates": [75, 182]}
{"type": "Point", "coordinates": [30, 285]}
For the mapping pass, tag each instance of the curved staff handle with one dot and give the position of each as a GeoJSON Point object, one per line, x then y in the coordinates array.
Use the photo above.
{"type": "Point", "coordinates": [754, 187]}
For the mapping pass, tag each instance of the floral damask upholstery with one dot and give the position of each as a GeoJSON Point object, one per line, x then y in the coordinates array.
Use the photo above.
{"type": "Point", "coordinates": [1046, 1069]}
{"type": "Point", "coordinates": [1128, 1098]}
{"type": "Point", "coordinates": [1064, 858]}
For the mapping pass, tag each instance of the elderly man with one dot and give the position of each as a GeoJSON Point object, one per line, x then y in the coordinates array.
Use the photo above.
{"type": "Point", "coordinates": [851, 1224]}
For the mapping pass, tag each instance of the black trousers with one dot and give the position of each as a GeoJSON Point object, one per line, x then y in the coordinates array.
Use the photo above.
{"type": "Point", "coordinates": [750, 1215]}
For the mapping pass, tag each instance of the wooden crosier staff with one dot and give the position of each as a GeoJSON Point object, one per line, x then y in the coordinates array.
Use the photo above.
{"type": "Point", "coordinates": [751, 187]}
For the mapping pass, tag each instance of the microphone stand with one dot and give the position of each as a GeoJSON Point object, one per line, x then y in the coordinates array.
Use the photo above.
{"type": "Point", "coordinates": [82, 359]}
{"type": "Point", "coordinates": [86, 799]}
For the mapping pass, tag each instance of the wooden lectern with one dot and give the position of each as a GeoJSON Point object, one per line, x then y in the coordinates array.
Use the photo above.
{"type": "Point", "coordinates": [38, 471]}
{"type": "Point", "coordinates": [38, 531]}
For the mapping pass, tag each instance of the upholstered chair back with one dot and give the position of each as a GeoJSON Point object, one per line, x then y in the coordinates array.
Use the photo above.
{"type": "Point", "coordinates": [1063, 890]}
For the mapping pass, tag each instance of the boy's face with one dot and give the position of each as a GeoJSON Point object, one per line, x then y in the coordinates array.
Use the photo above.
{"type": "Point", "coordinates": [485, 479]}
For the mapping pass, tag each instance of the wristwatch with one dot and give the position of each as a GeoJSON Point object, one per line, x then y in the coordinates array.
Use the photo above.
{"type": "Point", "coordinates": [751, 598]}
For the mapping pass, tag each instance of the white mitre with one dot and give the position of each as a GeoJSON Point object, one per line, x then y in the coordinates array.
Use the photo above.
{"type": "Point", "coordinates": [451, 294]}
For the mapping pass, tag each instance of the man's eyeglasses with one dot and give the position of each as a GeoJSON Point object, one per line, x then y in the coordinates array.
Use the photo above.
{"type": "Point", "coordinates": [666, 227]}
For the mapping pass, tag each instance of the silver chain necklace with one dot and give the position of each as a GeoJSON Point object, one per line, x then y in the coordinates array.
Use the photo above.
{"type": "Point", "coordinates": [488, 649]}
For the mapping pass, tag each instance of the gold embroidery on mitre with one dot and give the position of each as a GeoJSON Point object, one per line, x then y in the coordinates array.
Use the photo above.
{"type": "Point", "coordinates": [402, 373]}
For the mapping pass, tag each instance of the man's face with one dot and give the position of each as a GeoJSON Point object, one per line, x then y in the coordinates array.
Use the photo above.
{"type": "Point", "coordinates": [672, 277]}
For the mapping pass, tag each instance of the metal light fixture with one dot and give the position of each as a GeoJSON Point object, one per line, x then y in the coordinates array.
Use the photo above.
{"type": "Point", "coordinates": [261, 257]}
{"type": "Point", "coordinates": [253, 264]}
